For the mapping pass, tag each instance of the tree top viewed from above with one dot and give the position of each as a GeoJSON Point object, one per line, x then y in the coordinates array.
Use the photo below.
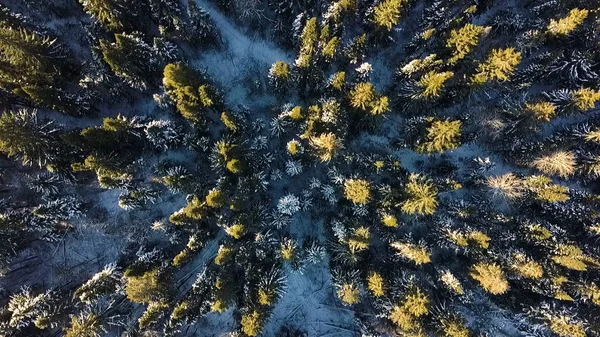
{"type": "Point", "coordinates": [299, 168]}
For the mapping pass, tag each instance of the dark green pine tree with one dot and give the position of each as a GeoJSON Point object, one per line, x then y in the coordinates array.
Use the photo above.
{"type": "Point", "coordinates": [14, 233]}
{"type": "Point", "coordinates": [202, 28]}
{"type": "Point", "coordinates": [132, 59]}
{"type": "Point", "coordinates": [284, 17]}
{"type": "Point", "coordinates": [24, 136]}
{"type": "Point", "coordinates": [35, 67]}
{"type": "Point", "coordinates": [112, 14]}
{"type": "Point", "coordinates": [167, 14]}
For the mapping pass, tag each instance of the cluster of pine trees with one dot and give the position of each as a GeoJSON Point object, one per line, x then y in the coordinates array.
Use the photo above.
{"type": "Point", "coordinates": [439, 159]}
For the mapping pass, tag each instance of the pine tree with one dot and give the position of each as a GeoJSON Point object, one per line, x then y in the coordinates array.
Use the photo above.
{"type": "Point", "coordinates": [565, 326]}
{"type": "Point", "coordinates": [195, 210]}
{"type": "Point", "coordinates": [561, 163]}
{"type": "Point", "coordinates": [86, 324]}
{"type": "Point", "coordinates": [544, 191]}
{"type": "Point", "coordinates": [462, 41]}
{"type": "Point", "coordinates": [491, 277]}
{"type": "Point", "coordinates": [202, 28]}
{"type": "Point", "coordinates": [36, 67]}
{"type": "Point", "coordinates": [386, 13]}
{"type": "Point", "coordinates": [412, 252]}
{"type": "Point", "coordinates": [498, 66]}
{"type": "Point", "coordinates": [421, 195]}
{"type": "Point", "coordinates": [569, 23]}
{"type": "Point", "coordinates": [24, 307]}
{"type": "Point", "coordinates": [279, 76]}
{"type": "Point", "coordinates": [585, 98]}
{"type": "Point", "coordinates": [132, 59]}
{"type": "Point", "coordinates": [252, 323]}
{"type": "Point", "coordinates": [453, 326]}
{"type": "Point", "coordinates": [348, 293]}
{"type": "Point", "coordinates": [441, 136]}
{"type": "Point", "coordinates": [24, 136]}
{"type": "Point", "coordinates": [362, 95]}
{"type": "Point", "coordinates": [107, 282]}
{"type": "Point", "coordinates": [433, 82]}
{"type": "Point", "coordinates": [111, 13]}
{"type": "Point", "coordinates": [167, 14]}
{"type": "Point", "coordinates": [376, 284]}
{"type": "Point", "coordinates": [357, 191]}
{"type": "Point", "coordinates": [355, 52]}
{"type": "Point", "coordinates": [148, 287]}
{"type": "Point", "coordinates": [543, 111]}
{"type": "Point", "coordinates": [154, 312]}
{"type": "Point", "coordinates": [507, 186]}
{"type": "Point", "coordinates": [308, 44]}
{"type": "Point", "coordinates": [326, 145]}
{"type": "Point", "coordinates": [188, 88]}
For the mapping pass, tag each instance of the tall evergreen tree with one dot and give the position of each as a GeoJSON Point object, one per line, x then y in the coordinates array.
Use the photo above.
{"type": "Point", "coordinates": [32, 140]}
{"type": "Point", "coordinates": [35, 67]}
{"type": "Point", "coordinates": [202, 28]}
{"type": "Point", "coordinates": [132, 59]}
{"type": "Point", "coordinates": [111, 13]}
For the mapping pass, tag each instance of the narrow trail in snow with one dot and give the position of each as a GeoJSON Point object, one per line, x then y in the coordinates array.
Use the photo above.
{"type": "Point", "coordinates": [244, 58]}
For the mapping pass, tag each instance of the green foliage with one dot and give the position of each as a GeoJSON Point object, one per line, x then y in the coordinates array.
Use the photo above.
{"type": "Point", "coordinates": [224, 255]}
{"type": "Point", "coordinates": [441, 136]}
{"type": "Point", "coordinates": [152, 314]}
{"type": "Point", "coordinates": [36, 67]}
{"type": "Point", "coordinates": [252, 323]}
{"type": "Point", "coordinates": [357, 191]}
{"type": "Point", "coordinates": [561, 163]}
{"type": "Point", "coordinates": [586, 98]}
{"type": "Point", "coordinates": [498, 66]}
{"type": "Point", "coordinates": [84, 325]}
{"type": "Point", "coordinates": [543, 111]}
{"type": "Point", "coordinates": [216, 198]}
{"type": "Point", "coordinates": [376, 284]}
{"type": "Point", "coordinates": [189, 90]}
{"type": "Point", "coordinates": [412, 252]}
{"type": "Point", "coordinates": [308, 44]}
{"type": "Point", "coordinates": [569, 23]}
{"type": "Point", "coordinates": [564, 326]}
{"type": "Point", "coordinates": [279, 75]}
{"type": "Point", "coordinates": [462, 41]}
{"type": "Point", "coordinates": [544, 190]}
{"type": "Point", "coordinates": [104, 283]}
{"type": "Point", "coordinates": [146, 288]}
{"type": "Point", "coordinates": [359, 240]}
{"type": "Point", "coordinates": [386, 13]}
{"type": "Point", "coordinates": [433, 82]}
{"type": "Point", "coordinates": [24, 136]}
{"type": "Point", "coordinates": [326, 145]}
{"type": "Point", "coordinates": [330, 49]}
{"type": "Point", "coordinates": [194, 211]}
{"type": "Point", "coordinates": [490, 277]}
{"type": "Point", "coordinates": [111, 13]}
{"type": "Point", "coordinates": [362, 95]}
{"type": "Point", "coordinates": [348, 293]}
{"type": "Point", "coordinates": [338, 80]}
{"type": "Point", "coordinates": [131, 58]}
{"type": "Point", "coordinates": [421, 196]}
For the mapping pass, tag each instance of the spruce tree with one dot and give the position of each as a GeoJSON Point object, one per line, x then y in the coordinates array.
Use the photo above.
{"type": "Point", "coordinates": [202, 30]}
{"type": "Point", "coordinates": [114, 14]}
{"type": "Point", "coordinates": [132, 59]}
{"type": "Point", "coordinates": [36, 67]}
{"type": "Point", "coordinates": [28, 138]}
{"type": "Point", "coordinates": [190, 91]}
